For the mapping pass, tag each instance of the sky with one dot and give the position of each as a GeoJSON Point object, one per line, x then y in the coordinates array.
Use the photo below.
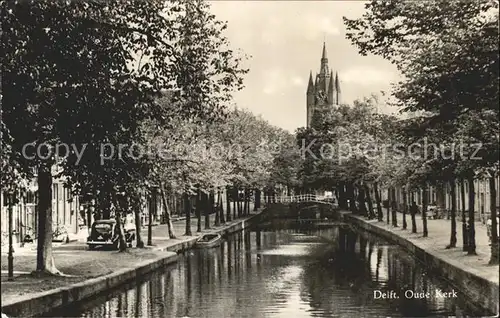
{"type": "Point", "coordinates": [284, 41]}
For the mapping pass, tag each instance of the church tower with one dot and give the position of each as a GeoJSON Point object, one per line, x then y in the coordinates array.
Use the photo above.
{"type": "Point", "coordinates": [324, 91]}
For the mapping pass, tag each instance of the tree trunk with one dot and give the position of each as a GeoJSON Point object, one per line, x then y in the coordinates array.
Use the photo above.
{"type": "Point", "coordinates": [465, 234]}
{"type": "Point", "coordinates": [424, 211]}
{"type": "Point", "coordinates": [388, 206]}
{"type": "Point", "coordinates": [139, 243]}
{"type": "Point", "coordinates": [187, 210]}
{"type": "Point", "coordinates": [371, 214]}
{"type": "Point", "coordinates": [220, 206]}
{"type": "Point", "coordinates": [122, 244]}
{"type": "Point", "coordinates": [394, 208]}
{"type": "Point", "coordinates": [257, 199]}
{"type": "Point", "coordinates": [413, 213]}
{"type": "Point", "coordinates": [244, 203]}
{"type": "Point", "coordinates": [247, 201]}
{"type": "Point", "coordinates": [235, 199]}
{"type": "Point", "coordinates": [200, 206]}
{"type": "Point", "coordinates": [212, 207]}
{"type": "Point", "coordinates": [152, 206]}
{"type": "Point", "coordinates": [90, 212]}
{"type": "Point", "coordinates": [380, 214]}
{"type": "Point", "coordinates": [494, 225]}
{"type": "Point", "coordinates": [342, 196]}
{"type": "Point", "coordinates": [240, 209]}
{"type": "Point", "coordinates": [453, 215]}
{"type": "Point", "coordinates": [441, 199]}
{"type": "Point", "coordinates": [471, 250]}
{"type": "Point", "coordinates": [208, 208]}
{"type": "Point", "coordinates": [228, 204]}
{"type": "Point", "coordinates": [361, 200]}
{"type": "Point", "coordinates": [405, 209]}
{"type": "Point", "coordinates": [173, 201]}
{"type": "Point", "coordinates": [44, 258]}
{"type": "Point", "coordinates": [168, 215]}
{"type": "Point", "coordinates": [352, 202]}
{"type": "Point", "coordinates": [103, 197]}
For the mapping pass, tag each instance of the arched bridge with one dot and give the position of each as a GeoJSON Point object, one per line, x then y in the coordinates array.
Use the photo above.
{"type": "Point", "coordinates": [304, 208]}
{"type": "Point", "coordinates": [301, 198]}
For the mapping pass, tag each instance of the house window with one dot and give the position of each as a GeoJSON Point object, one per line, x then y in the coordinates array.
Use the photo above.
{"type": "Point", "coordinates": [30, 197]}
{"type": "Point", "coordinates": [69, 197]}
{"type": "Point", "coordinates": [5, 199]}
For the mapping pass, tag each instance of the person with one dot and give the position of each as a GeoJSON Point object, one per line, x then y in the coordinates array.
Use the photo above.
{"type": "Point", "coordinates": [488, 228]}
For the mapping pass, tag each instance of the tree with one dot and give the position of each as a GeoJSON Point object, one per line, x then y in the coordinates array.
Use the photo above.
{"type": "Point", "coordinates": [110, 63]}
{"type": "Point", "coordinates": [494, 225]}
{"type": "Point", "coordinates": [46, 68]}
{"type": "Point", "coordinates": [441, 48]}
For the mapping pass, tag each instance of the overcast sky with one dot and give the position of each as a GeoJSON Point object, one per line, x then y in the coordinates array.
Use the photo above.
{"type": "Point", "coordinates": [284, 40]}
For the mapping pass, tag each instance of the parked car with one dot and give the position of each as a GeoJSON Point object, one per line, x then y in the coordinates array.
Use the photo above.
{"type": "Point", "coordinates": [104, 233]}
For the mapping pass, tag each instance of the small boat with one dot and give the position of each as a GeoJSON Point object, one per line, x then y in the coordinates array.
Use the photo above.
{"type": "Point", "coordinates": [208, 241]}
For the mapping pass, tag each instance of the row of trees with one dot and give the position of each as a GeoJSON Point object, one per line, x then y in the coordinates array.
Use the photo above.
{"type": "Point", "coordinates": [447, 53]}
{"type": "Point", "coordinates": [111, 79]}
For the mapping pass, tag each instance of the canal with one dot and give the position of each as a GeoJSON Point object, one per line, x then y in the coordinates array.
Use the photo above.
{"type": "Point", "coordinates": [331, 272]}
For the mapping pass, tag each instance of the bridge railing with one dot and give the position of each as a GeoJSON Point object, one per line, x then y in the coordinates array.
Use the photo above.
{"type": "Point", "coordinates": [296, 198]}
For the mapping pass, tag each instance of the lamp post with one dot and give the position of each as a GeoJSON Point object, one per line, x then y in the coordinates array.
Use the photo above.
{"type": "Point", "coordinates": [10, 257]}
{"type": "Point", "coordinates": [90, 212]}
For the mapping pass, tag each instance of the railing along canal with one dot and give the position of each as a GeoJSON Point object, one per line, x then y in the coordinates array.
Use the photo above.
{"type": "Point", "coordinates": [299, 198]}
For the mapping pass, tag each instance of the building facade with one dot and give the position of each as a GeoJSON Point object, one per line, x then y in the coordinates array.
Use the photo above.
{"type": "Point", "coordinates": [324, 90]}
{"type": "Point", "coordinates": [65, 211]}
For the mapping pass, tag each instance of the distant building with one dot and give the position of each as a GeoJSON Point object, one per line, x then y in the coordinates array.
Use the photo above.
{"type": "Point", "coordinates": [65, 210]}
{"type": "Point", "coordinates": [324, 90]}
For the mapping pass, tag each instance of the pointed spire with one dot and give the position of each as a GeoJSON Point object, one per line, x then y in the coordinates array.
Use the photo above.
{"type": "Point", "coordinates": [337, 89]}
{"type": "Point", "coordinates": [310, 85]}
{"type": "Point", "coordinates": [331, 89]}
{"type": "Point", "coordinates": [324, 62]}
{"type": "Point", "coordinates": [331, 82]}
{"type": "Point", "coordinates": [337, 82]}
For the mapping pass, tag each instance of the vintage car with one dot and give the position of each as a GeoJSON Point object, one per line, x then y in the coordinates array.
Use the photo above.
{"type": "Point", "coordinates": [104, 233]}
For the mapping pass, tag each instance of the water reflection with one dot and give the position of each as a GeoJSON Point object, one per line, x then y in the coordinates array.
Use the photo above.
{"type": "Point", "coordinates": [323, 273]}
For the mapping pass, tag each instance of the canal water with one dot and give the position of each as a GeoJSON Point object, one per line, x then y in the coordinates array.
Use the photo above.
{"type": "Point", "coordinates": [331, 272]}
